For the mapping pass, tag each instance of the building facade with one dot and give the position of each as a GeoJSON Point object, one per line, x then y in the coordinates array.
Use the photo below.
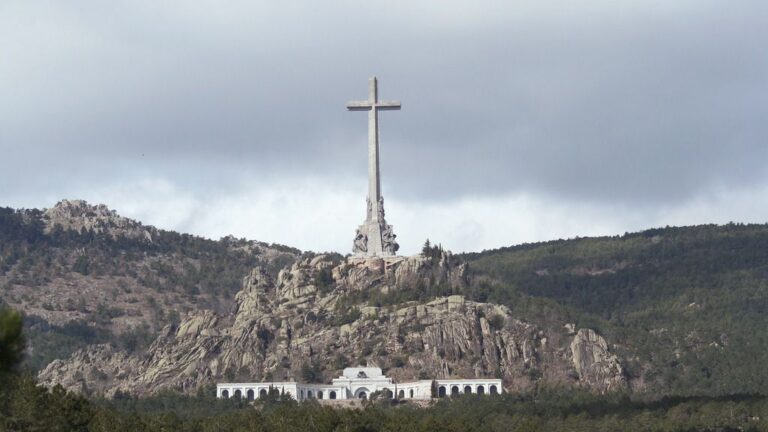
{"type": "Point", "coordinates": [361, 383]}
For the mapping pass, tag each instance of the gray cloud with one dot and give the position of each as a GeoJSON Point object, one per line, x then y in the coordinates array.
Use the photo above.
{"type": "Point", "coordinates": [629, 102]}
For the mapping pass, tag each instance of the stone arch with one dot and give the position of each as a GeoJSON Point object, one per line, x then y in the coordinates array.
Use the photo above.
{"type": "Point", "coordinates": [319, 394]}
{"type": "Point", "coordinates": [362, 393]}
{"type": "Point", "coordinates": [441, 391]}
{"type": "Point", "coordinates": [250, 394]}
{"type": "Point", "coordinates": [238, 393]}
{"type": "Point", "coordinates": [480, 389]}
{"type": "Point", "coordinates": [454, 390]}
{"type": "Point", "coordinates": [410, 393]}
{"type": "Point", "coordinates": [332, 395]}
{"type": "Point", "coordinates": [386, 393]}
{"type": "Point", "coordinates": [467, 389]}
{"type": "Point", "coordinates": [309, 394]}
{"type": "Point", "coordinates": [262, 393]}
{"type": "Point", "coordinates": [302, 394]}
{"type": "Point", "coordinates": [225, 394]}
{"type": "Point", "coordinates": [493, 390]}
{"type": "Point", "coordinates": [401, 394]}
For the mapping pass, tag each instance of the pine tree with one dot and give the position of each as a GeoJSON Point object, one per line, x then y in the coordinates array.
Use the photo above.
{"type": "Point", "coordinates": [11, 340]}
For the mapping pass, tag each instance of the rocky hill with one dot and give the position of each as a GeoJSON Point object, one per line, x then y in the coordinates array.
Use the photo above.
{"type": "Point", "coordinates": [314, 319]}
{"type": "Point", "coordinates": [84, 275]}
{"type": "Point", "coordinates": [112, 305]}
{"type": "Point", "coordinates": [79, 216]}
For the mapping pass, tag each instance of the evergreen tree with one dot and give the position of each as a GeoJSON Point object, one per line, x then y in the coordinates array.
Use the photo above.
{"type": "Point", "coordinates": [11, 340]}
{"type": "Point", "coordinates": [427, 249]}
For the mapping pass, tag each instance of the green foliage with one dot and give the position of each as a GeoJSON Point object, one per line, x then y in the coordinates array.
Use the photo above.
{"type": "Point", "coordinates": [265, 336]}
{"type": "Point", "coordinates": [104, 314]}
{"type": "Point", "coordinates": [345, 314]}
{"type": "Point", "coordinates": [82, 265]}
{"type": "Point", "coordinates": [11, 340]}
{"type": "Point", "coordinates": [59, 341]}
{"type": "Point", "coordinates": [430, 251]}
{"type": "Point", "coordinates": [398, 361]}
{"type": "Point", "coordinates": [311, 372]}
{"type": "Point", "coordinates": [27, 406]}
{"type": "Point", "coordinates": [324, 279]}
{"type": "Point", "coordinates": [340, 362]}
{"type": "Point", "coordinates": [204, 272]}
{"type": "Point", "coordinates": [496, 322]}
{"type": "Point", "coordinates": [686, 305]}
{"type": "Point", "coordinates": [135, 339]}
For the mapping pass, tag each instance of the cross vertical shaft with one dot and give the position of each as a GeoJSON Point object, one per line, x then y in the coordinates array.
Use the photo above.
{"type": "Point", "coordinates": [374, 172]}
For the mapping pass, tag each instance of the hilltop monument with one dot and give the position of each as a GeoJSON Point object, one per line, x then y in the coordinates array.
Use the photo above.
{"type": "Point", "coordinates": [374, 238]}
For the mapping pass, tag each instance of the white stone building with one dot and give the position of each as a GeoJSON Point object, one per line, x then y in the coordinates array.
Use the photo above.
{"type": "Point", "coordinates": [360, 383]}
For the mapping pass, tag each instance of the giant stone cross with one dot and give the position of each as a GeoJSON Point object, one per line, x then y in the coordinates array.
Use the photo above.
{"type": "Point", "coordinates": [374, 237]}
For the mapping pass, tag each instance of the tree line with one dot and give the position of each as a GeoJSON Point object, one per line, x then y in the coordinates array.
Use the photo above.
{"type": "Point", "coordinates": [27, 406]}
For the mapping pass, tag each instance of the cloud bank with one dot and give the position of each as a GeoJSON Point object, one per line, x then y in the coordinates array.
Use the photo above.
{"type": "Point", "coordinates": [521, 121]}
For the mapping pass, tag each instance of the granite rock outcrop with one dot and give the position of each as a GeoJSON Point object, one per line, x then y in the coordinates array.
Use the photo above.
{"type": "Point", "coordinates": [79, 216]}
{"type": "Point", "coordinates": [594, 362]}
{"type": "Point", "coordinates": [324, 313]}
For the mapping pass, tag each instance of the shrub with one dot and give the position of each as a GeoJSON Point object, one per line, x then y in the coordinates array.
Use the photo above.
{"type": "Point", "coordinates": [398, 361]}
{"type": "Point", "coordinates": [496, 322]}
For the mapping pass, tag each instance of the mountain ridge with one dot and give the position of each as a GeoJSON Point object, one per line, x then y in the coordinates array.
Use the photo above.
{"type": "Point", "coordinates": [595, 292]}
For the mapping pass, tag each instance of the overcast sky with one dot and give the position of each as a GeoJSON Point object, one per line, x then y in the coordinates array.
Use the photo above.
{"type": "Point", "coordinates": [521, 120]}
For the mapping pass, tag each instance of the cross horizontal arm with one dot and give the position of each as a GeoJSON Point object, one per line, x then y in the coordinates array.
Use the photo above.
{"type": "Point", "coordinates": [367, 105]}
{"type": "Point", "coordinates": [388, 105]}
{"type": "Point", "coordinates": [359, 105]}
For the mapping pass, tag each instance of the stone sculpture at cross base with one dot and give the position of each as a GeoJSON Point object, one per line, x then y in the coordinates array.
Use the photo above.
{"type": "Point", "coordinates": [374, 237]}
{"type": "Point", "coordinates": [388, 245]}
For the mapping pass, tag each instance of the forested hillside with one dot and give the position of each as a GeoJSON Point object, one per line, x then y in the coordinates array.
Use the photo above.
{"type": "Point", "coordinates": [687, 307]}
{"type": "Point", "coordinates": [83, 275]}
{"type": "Point", "coordinates": [683, 308]}
{"type": "Point", "coordinates": [24, 405]}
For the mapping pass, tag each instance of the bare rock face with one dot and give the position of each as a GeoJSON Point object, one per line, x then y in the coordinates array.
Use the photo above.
{"type": "Point", "coordinates": [78, 215]}
{"type": "Point", "coordinates": [596, 365]}
{"type": "Point", "coordinates": [99, 367]}
{"type": "Point", "coordinates": [323, 314]}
